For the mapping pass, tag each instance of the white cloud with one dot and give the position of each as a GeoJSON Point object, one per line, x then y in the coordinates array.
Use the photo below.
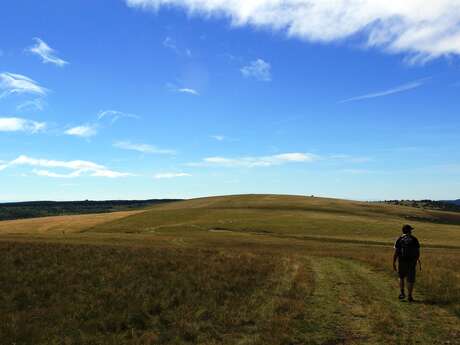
{"type": "Point", "coordinates": [263, 161]}
{"type": "Point", "coordinates": [48, 173]}
{"type": "Point", "coordinates": [170, 175]}
{"type": "Point", "coordinates": [424, 29]}
{"type": "Point", "coordinates": [12, 83]}
{"type": "Point", "coordinates": [109, 173]}
{"type": "Point", "coordinates": [46, 53]}
{"type": "Point", "coordinates": [114, 115]}
{"type": "Point", "coordinates": [77, 167]}
{"type": "Point", "coordinates": [91, 129]}
{"type": "Point", "coordinates": [16, 124]}
{"type": "Point", "coordinates": [189, 91]}
{"type": "Point", "coordinates": [218, 137]}
{"type": "Point", "coordinates": [84, 131]}
{"type": "Point", "coordinates": [143, 148]}
{"type": "Point", "coordinates": [258, 69]}
{"type": "Point", "coordinates": [170, 43]}
{"type": "Point", "coordinates": [174, 88]}
{"type": "Point", "coordinates": [388, 92]}
{"type": "Point", "coordinates": [36, 104]}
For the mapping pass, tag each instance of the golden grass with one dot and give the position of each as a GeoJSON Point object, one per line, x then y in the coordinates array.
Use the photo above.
{"type": "Point", "coordinates": [278, 270]}
{"type": "Point", "coordinates": [60, 224]}
{"type": "Point", "coordinates": [294, 216]}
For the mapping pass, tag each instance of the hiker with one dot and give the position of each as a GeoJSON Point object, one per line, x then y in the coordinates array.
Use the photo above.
{"type": "Point", "coordinates": [407, 252]}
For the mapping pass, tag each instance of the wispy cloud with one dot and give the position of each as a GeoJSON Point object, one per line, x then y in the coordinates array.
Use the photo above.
{"type": "Point", "coordinates": [401, 88]}
{"type": "Point", "coordinates": [257, 69]}
{"type": "Point", "coordinates": [36, 104]}
{"type": "Point", "coordinates": [143, 148]}
{"type": "Point", "coordinates": [77, 168]}
{"type": "Point", "coordinates": [12, 83]}
{"type": "Point", "coordinates": [16, 124]}
{"type": "Point", "coordinates": [115, 115]}
{"type": "Point", "coordinates": [47, 54]}
{"type": "Point", "coordinates": [189, 91]}
{"type": "Point", "coordinates": [84, 131]}
{"type": "Point", "coordinates": [218, 137]}
{"type": "Point", "coordinates": [170, 175]}
{"type": "Point", "coordinates": [170, 43]}
{"type": "Point", "coordinates": [104, 118]}
{"type": "Point", "coordinates": [262, 161]}
{"type": "Point", "coordinates": [422, 29]}
{"type": "Point", "coordinates": [180, 89]}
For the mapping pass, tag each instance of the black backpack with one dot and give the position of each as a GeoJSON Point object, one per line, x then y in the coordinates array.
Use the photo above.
{"type": "Point", "coordinates": [409, 248]}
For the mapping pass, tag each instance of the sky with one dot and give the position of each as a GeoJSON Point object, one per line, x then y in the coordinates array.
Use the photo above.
{"type": "Point", "coordinates": [136, 99]}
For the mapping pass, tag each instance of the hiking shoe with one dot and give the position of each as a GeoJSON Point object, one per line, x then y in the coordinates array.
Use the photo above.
{"type": "Point", "coordinates": [410, 299]}
{"type": "Point", "coordinates": [402, 296]}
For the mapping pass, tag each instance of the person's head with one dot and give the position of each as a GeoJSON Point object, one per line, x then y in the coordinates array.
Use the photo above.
{"type": "Point", "coordinates": [407, 229]}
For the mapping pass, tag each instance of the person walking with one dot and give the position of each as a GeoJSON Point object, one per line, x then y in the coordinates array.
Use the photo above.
{"type": "Point", "coordinates": [407, 254]}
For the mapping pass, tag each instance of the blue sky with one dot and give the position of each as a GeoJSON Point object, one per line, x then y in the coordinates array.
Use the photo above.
{"type": "Point", "coordinates": [132, 99]}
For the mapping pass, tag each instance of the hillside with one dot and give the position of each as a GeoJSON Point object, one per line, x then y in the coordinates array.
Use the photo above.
{"type": "Point", "coordinates": [232, 270]}
{"type": "Point", "coordinates": [297, 216]}
{"type": "Point", "coordinates": [33, 209]}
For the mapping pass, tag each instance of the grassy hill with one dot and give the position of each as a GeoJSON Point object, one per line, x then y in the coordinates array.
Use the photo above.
{"type": "Point", "coordinates": [296, 216]}
{"type": "Point", "coordinates": [32, 209]}
{"type": "Point", "coordinates": [232, 270]}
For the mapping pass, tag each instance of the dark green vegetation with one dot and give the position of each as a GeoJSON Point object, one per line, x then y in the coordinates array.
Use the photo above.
{"type": "Point", "coordinates": [232, 270]}
{"type": "Point", "coordinates": [453, 205]}
{"type": "Point", "coordinates": [32, 209]}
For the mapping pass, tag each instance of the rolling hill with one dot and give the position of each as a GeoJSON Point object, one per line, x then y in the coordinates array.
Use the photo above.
{"type": "Point", "coordinates": [291, 216]}
{"type": "Point", "coordinates": [229, 270]}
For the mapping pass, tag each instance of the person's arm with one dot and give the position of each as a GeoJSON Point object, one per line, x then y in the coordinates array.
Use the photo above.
{"type": "Point", "coordinates": [396, 253]}
{"type": "Point", "coordinates": [418, 255]}
{"type": "Point", "coordinates": [395, 257]}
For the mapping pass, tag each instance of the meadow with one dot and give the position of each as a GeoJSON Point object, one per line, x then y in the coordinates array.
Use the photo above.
{"type": "Point", "coordinates": [255, 269]}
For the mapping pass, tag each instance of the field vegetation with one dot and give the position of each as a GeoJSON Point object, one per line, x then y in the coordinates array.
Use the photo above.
{"type": "Point", "coordinates": [33, 209]}
{"type": "Point", "coordinates": [232, 270]}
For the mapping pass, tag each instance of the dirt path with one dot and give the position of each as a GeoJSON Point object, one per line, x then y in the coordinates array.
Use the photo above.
{"type": "Point", "coordinates": [355, 304]}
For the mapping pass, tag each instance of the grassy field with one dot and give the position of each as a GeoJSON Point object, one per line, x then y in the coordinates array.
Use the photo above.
{"type": "Point", "coordinates": [257, 269]}
{"type": "Point", "coordinates": [59, 224]}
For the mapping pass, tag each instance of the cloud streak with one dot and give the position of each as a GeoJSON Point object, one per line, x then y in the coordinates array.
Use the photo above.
{"type": "Point", "coordinates": [43, 50]}
{"type": "Point", "coordinates": [422, 29]}
{"type": "Point", "coordinates": [104, 118]}
{"type": "Point", "coordinates": [114, 115]}
{"type": "Point", "coordinates": [77, 168]}
{"type": "Point", "coordinates": [257, 69]}
{"type": "Point", "coordinates": [143, 148]}
{"type": "Point", "coordinates": [84, 131]}
{"type": "Point", "coordinates": [189, 91]}
{"type": "Point", "coordinates": [16, 124]}
{"type": "Point", "coordinates": [388, 92]}
{"type": "Point", "coordinates": [36, 104]}
{"type": "Point", "coordinates": [253, 162]}
{"type": "Point", "coordinates": [12, 83]}
{"type": "Point", "coordinates": [170, 175]}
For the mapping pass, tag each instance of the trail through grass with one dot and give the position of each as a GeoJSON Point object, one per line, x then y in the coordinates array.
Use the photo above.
{"type": "Point", "coordinates": [359, 305]}
{"type": "Point", "coordinates": [244, 270]}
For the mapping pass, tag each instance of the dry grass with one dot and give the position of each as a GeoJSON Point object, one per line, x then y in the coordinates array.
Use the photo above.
{"type": "Point", "coordinates": [293, 216]}
{"type": "Point", "coordinates": [73, 294]}
{"type": "Point", "coordinates": [60, 224]}
{"type": "Point", "coordinates": [161, 277]}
